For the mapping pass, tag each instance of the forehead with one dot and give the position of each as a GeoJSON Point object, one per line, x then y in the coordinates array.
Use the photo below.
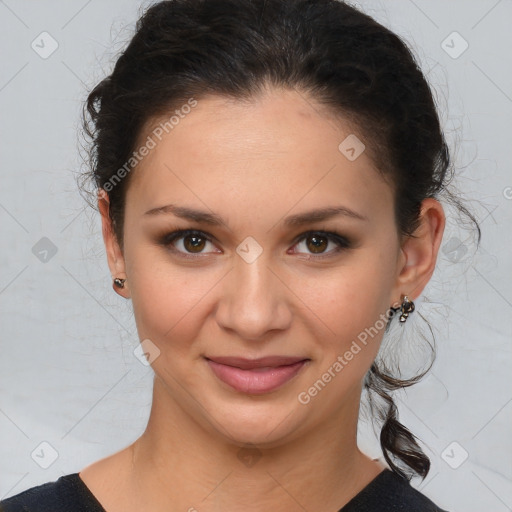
{"type": "Point", "coordinates": [270, 152]}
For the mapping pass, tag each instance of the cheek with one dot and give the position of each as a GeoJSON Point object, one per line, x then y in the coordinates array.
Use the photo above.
{"type": "Point", "coordinates": [350, 307]}
{"type": "Point", "coordinates": [349, 298]}
{"type": "Point", "coordinates": [169, 302]}
{"type": "Point", "coordinates": [353, 304]}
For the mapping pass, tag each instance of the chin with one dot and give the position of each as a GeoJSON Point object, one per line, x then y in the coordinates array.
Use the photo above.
{"type": "Point", "coordinates": [262, 424]}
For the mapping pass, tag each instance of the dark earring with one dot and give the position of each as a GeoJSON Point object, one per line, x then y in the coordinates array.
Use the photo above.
{"type": "Point", "coordinates": [119, 282]}
{"type": "Point", "coordinates": [406, 308]}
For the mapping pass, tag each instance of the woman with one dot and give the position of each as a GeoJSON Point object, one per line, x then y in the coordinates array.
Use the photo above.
{"type": "Point", "coordinates": [268, 177]}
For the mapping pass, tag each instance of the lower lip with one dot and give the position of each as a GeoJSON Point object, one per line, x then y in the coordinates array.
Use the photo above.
{"type": "Point", "coordinates": [255, 382]}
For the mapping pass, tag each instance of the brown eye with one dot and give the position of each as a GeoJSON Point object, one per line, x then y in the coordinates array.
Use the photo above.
{"type": "Point", "coordinates": [188, 242]}
{"type": "Point", "coordinates": [321, 244]}
{"type": "Point", "coordinates": [317, 244]}
{"type": "Point", "coordinates": [194, 243]}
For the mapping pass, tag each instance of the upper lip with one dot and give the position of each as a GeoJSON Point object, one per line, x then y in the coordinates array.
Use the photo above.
{"type": "Point", "coordinates": [249, 364]}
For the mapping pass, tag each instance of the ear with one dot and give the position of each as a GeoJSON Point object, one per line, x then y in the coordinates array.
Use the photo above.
{"type": "Point", "coordinates": [115, 256]}
{"type": "Point", "coordinates": [418, 256]}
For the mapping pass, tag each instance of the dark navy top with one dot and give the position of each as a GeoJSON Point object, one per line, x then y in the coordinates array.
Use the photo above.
{"type": "Point", "coordinates": [387, 492]}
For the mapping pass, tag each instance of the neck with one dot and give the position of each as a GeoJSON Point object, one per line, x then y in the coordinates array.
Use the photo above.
{"type": "Point", "coordinates": [180, 465]}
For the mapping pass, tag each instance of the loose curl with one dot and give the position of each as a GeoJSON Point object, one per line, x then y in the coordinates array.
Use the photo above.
{"type": "Point", "coordinates": [339, 56]}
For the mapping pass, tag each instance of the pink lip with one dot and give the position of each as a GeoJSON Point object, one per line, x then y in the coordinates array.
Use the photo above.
{"type": "Point", "coordinates": [256, 376]}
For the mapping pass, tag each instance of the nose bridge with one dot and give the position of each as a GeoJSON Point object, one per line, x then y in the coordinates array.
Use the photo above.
{"type": "Point", "coordinates": [253, 300]}
{"type": "Point", "coordinates": [253, 280]}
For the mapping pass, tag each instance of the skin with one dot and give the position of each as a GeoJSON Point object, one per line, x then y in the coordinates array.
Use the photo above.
{"type": "Point", "coordinates": [254, 164]}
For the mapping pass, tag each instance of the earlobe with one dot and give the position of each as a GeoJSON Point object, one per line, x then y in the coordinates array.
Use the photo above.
{"type": "Point", "coordinates": [115, 256]}
{"type": "Point", "coordinates": [420, 251]}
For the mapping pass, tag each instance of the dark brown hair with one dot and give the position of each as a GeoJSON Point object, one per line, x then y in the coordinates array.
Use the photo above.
{"type": "Point", "coordinates": [341, 57]}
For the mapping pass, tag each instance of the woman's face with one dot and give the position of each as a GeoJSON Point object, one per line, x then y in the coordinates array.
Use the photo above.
{"type": "Point", "coordinates": [250, 282]}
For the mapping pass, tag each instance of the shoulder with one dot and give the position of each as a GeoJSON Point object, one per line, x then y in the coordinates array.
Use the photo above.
{"type": "Point", "coordinates": [66, 494]}
{"type": "Point", "coordinates": [390, 492]}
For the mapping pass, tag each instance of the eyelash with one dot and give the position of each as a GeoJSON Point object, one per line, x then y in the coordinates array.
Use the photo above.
{"type": "Point", "coordinates": [341, 242]}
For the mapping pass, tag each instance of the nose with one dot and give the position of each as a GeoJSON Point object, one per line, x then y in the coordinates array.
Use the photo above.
{"type": "Point", "coordinates": [254, 300]}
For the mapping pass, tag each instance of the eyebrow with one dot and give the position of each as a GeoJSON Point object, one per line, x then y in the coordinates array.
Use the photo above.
{"type": "Point", "coordinates": [299, 219]}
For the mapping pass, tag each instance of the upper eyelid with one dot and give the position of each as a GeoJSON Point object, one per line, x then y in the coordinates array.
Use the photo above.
{"type": "Point", "coordinates": [181, 233]}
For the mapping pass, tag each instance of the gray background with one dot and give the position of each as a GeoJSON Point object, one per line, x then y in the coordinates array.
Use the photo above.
{"type": "Point", "coordinates": [68, 375]}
